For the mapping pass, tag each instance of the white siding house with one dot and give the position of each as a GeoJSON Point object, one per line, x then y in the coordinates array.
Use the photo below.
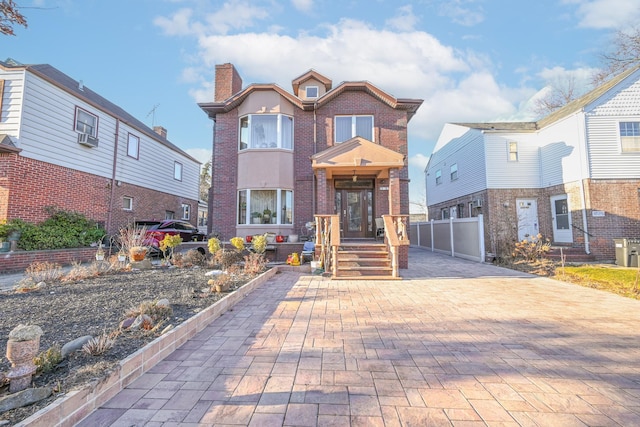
{"type": "Point", "coordinates": [85, 153]}
{"type": "Point", "coordinates": [573, 176]}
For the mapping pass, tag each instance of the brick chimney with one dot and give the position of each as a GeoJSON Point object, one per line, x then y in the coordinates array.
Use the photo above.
{"type": "Point", "coordinates": [160, 131]}
{"type": "Point", "coordinates": [228, 82]}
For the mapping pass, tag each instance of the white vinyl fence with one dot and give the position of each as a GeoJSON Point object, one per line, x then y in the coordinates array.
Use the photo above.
{"type": "Point", "coordinates": [460, 237]}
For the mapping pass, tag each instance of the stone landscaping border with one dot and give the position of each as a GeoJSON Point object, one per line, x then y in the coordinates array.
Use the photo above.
{"type": "Point", "coordinates": [75, 405]}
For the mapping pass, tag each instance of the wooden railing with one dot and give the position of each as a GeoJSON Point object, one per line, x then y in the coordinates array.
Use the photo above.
{"type": "Point", "coordinates": [328, 238]}
{"type": "Point", "coordinates": [395, 235]}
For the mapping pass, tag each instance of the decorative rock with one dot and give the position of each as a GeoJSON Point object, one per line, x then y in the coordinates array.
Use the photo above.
{"type": "Point", "coordinates": [24, 398]}
{"type": "Point", "coordinates": [163, 303]}
{"type": "Point", "coordinates": [145, 264]}
{"type": "Point", "coordinates": [74, 345]}
{"type": "Point", "coordinates": [214, 273]}
{"type": "Point", "coordinates": [143, 318]}
{"type": "Point", "coordinates": [126, 323]}
{"type": "Point", "coordinates": [25, 333]}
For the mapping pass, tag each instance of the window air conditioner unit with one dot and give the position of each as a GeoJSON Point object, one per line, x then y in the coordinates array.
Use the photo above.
{"type": "Point", "coordinates": [88, 140]}
{"type": "Point", "coordinates": [477, 203]}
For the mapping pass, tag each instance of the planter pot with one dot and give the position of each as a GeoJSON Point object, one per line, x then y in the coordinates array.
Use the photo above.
{"type": "Point", "coordinates": [293, 238]}
{"type": "Point", "coordinates": [256, 220]}
{"type": "Point", "coordinates": [137, 253]}
{"type": "Point", "coordinates": [279, 239]}
{"type": "Point", "coordinates": [248, 239]}
{"type": "Point", "coordinates": [21, 354]}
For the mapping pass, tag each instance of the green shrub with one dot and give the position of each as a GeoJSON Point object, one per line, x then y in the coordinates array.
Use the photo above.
{"type": "Point", "coordinates": [63, 229]}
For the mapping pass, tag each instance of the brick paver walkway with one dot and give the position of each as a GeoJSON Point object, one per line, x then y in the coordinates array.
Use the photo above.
{"type": "Point", "coordinates": [455, 343]}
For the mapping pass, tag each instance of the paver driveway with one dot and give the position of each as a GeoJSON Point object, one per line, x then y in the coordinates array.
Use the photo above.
{"type": "Point", "coordinates": [455, 343]}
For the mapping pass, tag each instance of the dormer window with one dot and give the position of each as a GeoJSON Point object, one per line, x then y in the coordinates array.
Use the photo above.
{"type": "Point", "coordinates": [311, 91]}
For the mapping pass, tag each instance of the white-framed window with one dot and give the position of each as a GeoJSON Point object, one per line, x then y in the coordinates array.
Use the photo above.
{"type": "Point", "coordinates": [273, 206]}
{"type": "Point", "coordinates": [85, 122]}
{"type": "Point", "coordinates": [266, 131]}
{"type": "Point", "coordinates": [348, 127]}
{"type": "Point", "coordinates": [186, 211]}
{"type": "Point", "coordinates": [512, 147]}
{"type": "Point", "coordinates": [453, 171]}
{"type": "Point", "coordinates": [312, 91]}
{"type": "Point", "coordinates": [177, 171]}
{"type": "Point", "coordinates": [133, 146]}
{"type": "Point", "coordinates": [439, 177]}
{"type": "Point", "coordinates": [444, 213]}
{"type": "Point", "coordinates": [127, 203]}
{"type": "Point", "coordinates": [169, 215]}
{"type": "Point", "coordinates": [630, 137]}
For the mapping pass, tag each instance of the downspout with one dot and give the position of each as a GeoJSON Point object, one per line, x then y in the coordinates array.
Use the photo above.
{"type": "Point", "coordinates": [315, 150]}
{"type": "Point", "coordinates": [113, 175]}
{"type": "Point", "coordinates": [583, 198]}
{"type": "Point", "coordinates": [213, 162]}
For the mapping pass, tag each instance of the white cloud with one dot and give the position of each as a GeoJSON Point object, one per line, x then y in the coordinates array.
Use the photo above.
{"type": "Point", "coordinates": [302, 5]}
{"type": "Point", "coordinates": [235, 15]}
{"type": "Point", "coordinates": [606, 14]}
{"type": "Point", "coordinates": [460, 12]}
{"type": "Point", "coordinates": [201, 154]}
{"type": "Point", "coordinates": [178, 24]}
{"type": "Point", "coordinates": [405, 20]}
{"type": "Point", "coordinates": [419, 161]}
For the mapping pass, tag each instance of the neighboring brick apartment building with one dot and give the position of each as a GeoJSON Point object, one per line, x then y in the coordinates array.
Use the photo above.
{"type": "Point", "coordinates": [573, 176]}
{"type": "Point", "coordinates": [279, 158]}
{"type": "Point", "coordinates": [63, 145]}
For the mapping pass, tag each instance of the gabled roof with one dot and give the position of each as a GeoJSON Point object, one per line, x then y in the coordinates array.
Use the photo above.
{"type": "Point", "coordinates": [407, 104]}
{"type": "Point", "coordinates": [7, 145]}
{"type": "Point", "coordinates": [75, 88]}
{"type": "Point", "coordinates": [357, 154]}
{"type": "Point", "coordinates": [311, 74]}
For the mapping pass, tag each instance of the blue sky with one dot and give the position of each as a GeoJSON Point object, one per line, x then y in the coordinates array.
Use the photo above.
{"type": "Point", "coordinates": [470, 60]}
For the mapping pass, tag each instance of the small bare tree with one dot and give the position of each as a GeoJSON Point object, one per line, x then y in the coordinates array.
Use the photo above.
{"type": "Point", "coordinates": [624, 54]}
{"type": "Point", "coordinates": [562, 90]}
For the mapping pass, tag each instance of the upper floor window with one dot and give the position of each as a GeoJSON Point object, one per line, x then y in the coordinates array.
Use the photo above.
{"type": "Point", "coordinates": [348, 127]}
{"type": "Point", "coordinates": [86, 122]}
{"type": "Point", "coordinates": [454, 171]}
{"type": "Point", "coordinates": [311, 91]}
{"type": "Point", "coordinates": [630, 137]}
{"type": "Point", "coordinates": [266, 131]}
{"type": "Point", "coordinates": [513, 151]}
{"type": "Point", "coordinates": [177, 171]}
{"type": "Point", "coordinates": [186, 211]}
{"type": "Point", "coordinates": [133, 146]}
{"type": "Point", "coordinates": [439, 177]}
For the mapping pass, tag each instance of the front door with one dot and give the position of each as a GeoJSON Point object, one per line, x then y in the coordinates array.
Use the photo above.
{"type": "Point", "coordinates": [355, 207]}
{"type": "Point", "coordinates": [561, 219]}
{"type": "Point", "coordinates": [527, 210]}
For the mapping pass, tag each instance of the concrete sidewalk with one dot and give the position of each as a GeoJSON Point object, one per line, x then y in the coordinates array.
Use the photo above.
{"type": "Point", "coordinates": [455, 343]}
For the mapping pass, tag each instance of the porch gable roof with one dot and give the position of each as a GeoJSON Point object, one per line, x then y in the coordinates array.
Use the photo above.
{"type": "Point", "coordinates": [357, 155]}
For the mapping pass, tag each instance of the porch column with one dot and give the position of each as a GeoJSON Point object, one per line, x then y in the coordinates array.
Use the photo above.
{"type": "Point", "coordinates": [394, 192]}
{"type": "Point", "coordinates": [322, 206]}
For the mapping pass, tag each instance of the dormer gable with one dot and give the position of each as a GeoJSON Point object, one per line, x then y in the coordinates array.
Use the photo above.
{"type": "Point", "coordinates": [311, 85]}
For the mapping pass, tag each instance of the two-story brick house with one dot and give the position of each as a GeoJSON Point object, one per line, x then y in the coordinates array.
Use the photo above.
{"type": "Point", "coordinates": [572, 176]}
{"type": "Point", "coordinates": [64, 145]}
{"type": "Point", "coordinates": [281, 157]}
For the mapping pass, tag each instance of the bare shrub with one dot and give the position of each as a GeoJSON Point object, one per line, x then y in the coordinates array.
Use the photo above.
{"type": "Point", "coordinates": [190, 258]}
{"type": "Point", "coordinates": [532, 248]}
{"type": "Point", "coordinates": [254, 264]}
{"type": "Point", "coordinates": [98, 345]}
{"type": "Point", "coordinates": [226, 258]}
{"type": "Point", "coordinates": [44, 272]}
{"type": "Point", "coordinates": [151, 309]}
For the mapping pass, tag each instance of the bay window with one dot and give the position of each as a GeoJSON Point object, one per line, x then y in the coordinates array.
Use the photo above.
{"type": "Point", "coordinates": [265, 206]}
{"type": "Point", "coordinates": [266, 131]}
{"type": "Point", "coordinates": [348, 127]}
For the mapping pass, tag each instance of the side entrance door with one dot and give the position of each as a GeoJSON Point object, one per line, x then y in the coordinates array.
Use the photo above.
{"type": "Point", "coordinates": [356, 214]}
{"type": "Point", "coordinates": [527, 211]}
{"type": "Point", "coordinates": [561, 219]}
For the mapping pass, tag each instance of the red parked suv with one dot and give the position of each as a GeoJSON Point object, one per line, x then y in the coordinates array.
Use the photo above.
{"type": "Point", "coordinates": [156, 230]}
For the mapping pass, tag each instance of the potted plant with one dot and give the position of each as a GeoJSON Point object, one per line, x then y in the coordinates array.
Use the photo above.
{"type": "Point", "coordinates": [256, 217]}
{"type": "Point", "coordinates": [266, 216]}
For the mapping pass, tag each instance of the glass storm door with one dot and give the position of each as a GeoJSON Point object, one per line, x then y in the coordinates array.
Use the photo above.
{"type": "Point", "coordinates": [561, 219]}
